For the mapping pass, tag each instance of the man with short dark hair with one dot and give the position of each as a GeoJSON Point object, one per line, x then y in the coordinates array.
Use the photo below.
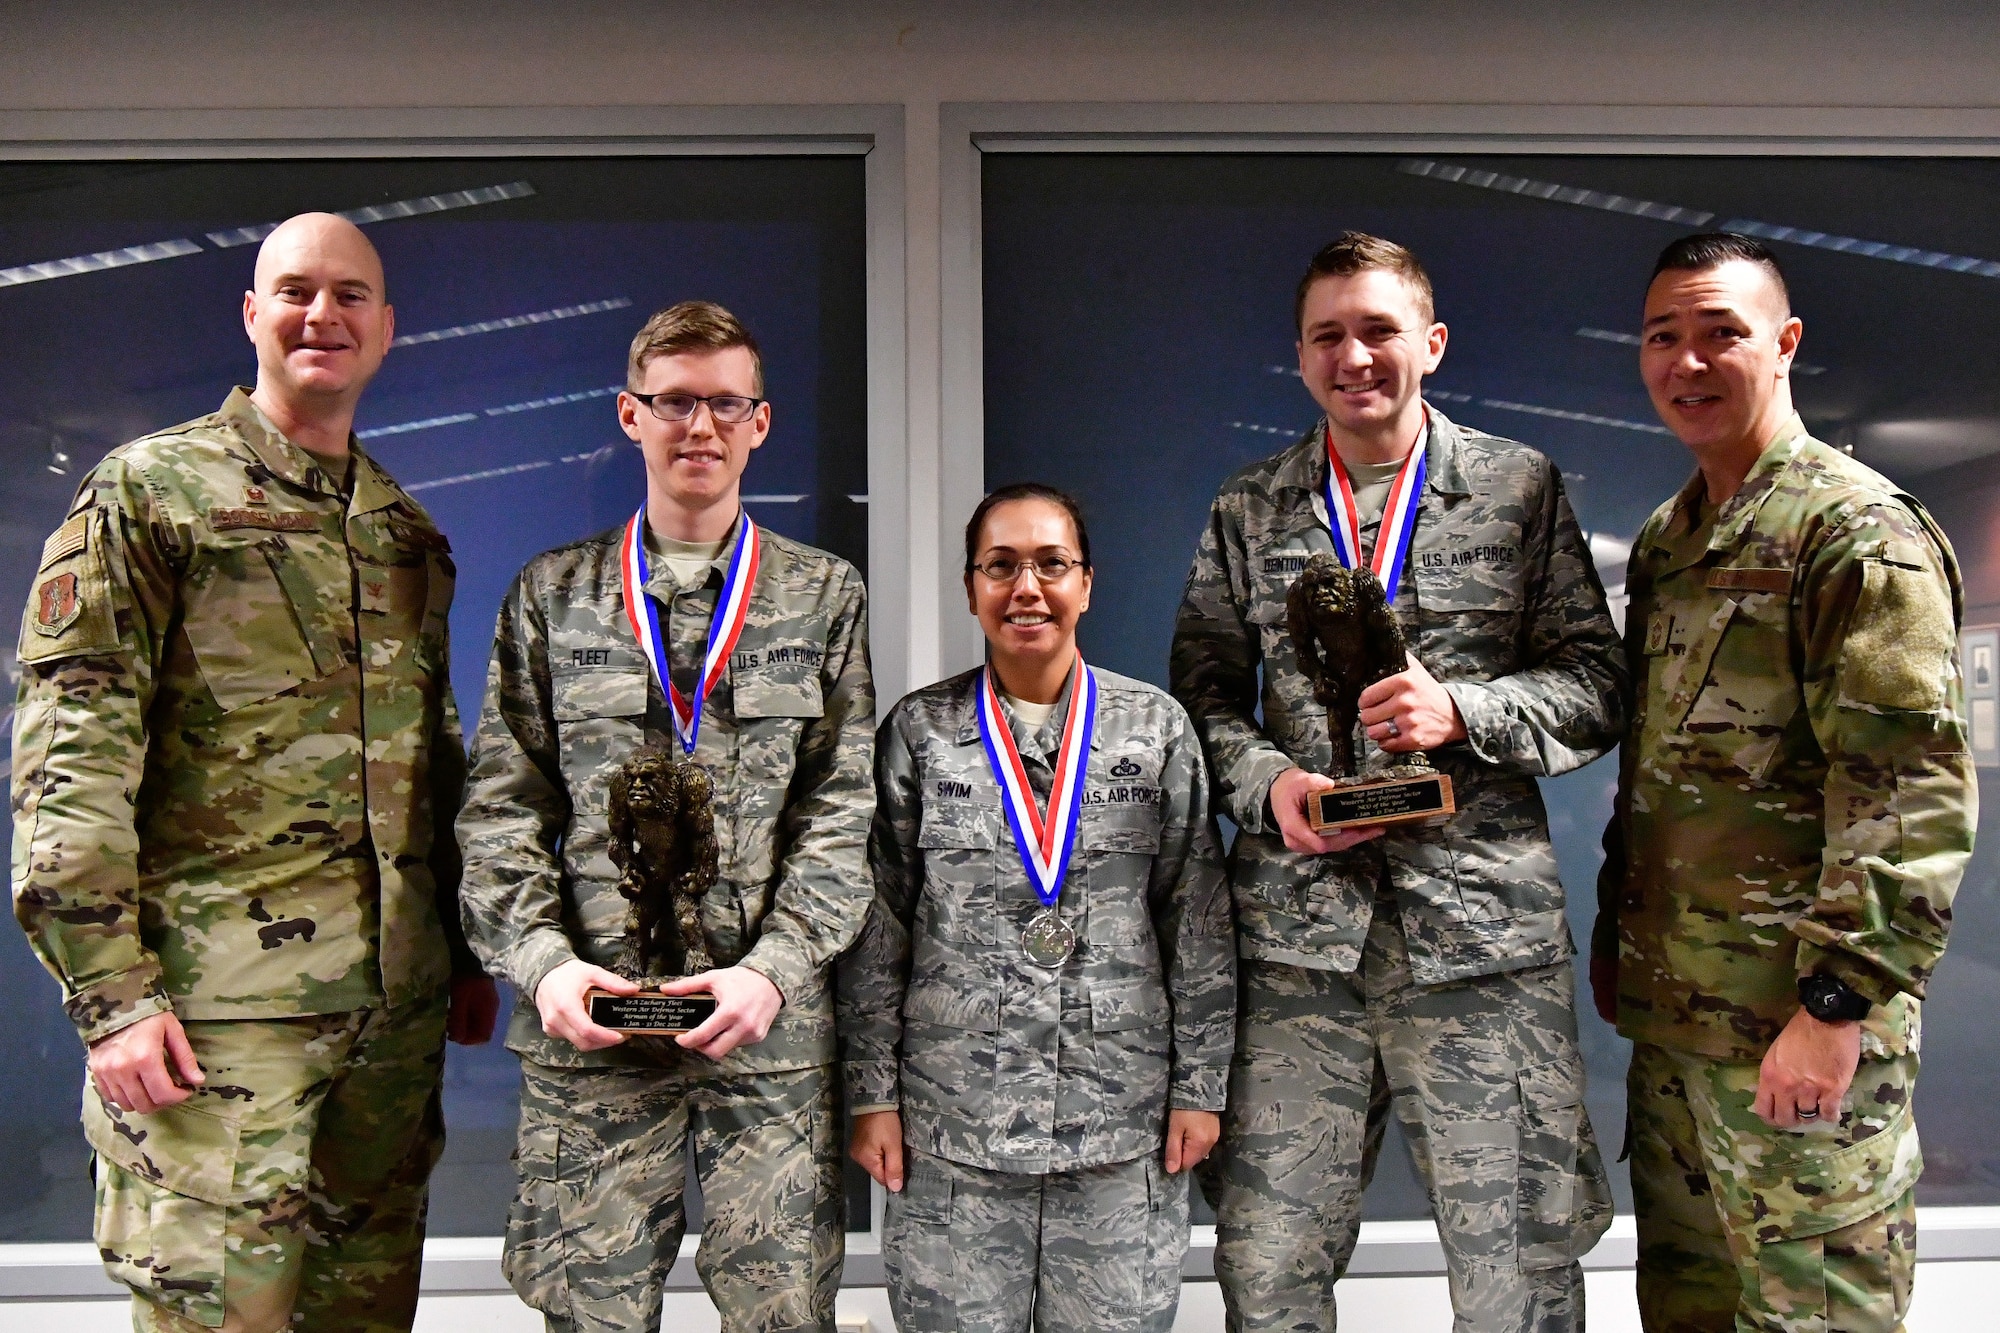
{"type": "Point", "coordinates": [757, 672]}
{"type": "Point", "coordinates": [1795, 807]}
{"type": "Point", "coordinates": [234, 749]}
{"type": "Point", "coordinates": [1424, 965]}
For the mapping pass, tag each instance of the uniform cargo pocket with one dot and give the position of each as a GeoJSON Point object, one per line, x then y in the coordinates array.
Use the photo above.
{"type": "Point", "coordinates": [168, 1248]}
{"type": "Point", "coordinates": [1546, 1196]}
{"type": "Point", "coordinates": [251, 619]}
{"type": "Point", "coordinates": [165, 1183]}
{"type": "Point", "coordinates": [1801, 1193]}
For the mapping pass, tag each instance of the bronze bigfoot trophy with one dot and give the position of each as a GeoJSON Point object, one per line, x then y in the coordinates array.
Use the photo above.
{"type": "Point", "coordinates": [1347, 637]}
{"type": "Point", "coordinates": [663, 842]}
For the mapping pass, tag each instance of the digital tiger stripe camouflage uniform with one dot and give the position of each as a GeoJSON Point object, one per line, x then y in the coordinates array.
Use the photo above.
{"type": "Point", "coordinates": [786, 735]}
{"type": "Point", "coordinates": [1431, 966]}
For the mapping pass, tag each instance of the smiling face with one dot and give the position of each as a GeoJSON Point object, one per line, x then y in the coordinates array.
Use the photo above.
{"type": "Point", "coordinates": [1026, 621]}
{"type": "Point", "coordinates": [1716, 355]}
{"type": "Point", "coordinates": [1365, 344]}
{"type": "Point", "coordinates": [697, 464]}
{"type": "Point", "coordinates": [318, 315]}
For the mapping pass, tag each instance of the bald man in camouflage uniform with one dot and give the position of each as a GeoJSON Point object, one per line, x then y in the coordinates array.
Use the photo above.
{"type": "Point", "coordinates": [234, 741]}
{"type": "Point", "coordinates": [1795, 808]}
{"type": "Point", "coordinates": [786, 737]}
{"type": "Point", "coordinates": [1428, 966]}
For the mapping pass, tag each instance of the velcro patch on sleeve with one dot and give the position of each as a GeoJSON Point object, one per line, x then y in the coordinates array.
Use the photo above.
{"type": "Point", "coordinates": [1751, 580]}
{"type": "Point", "coordinates": [275, 520]}
{"type": "Point", "coordinates": [67, 540]}
{"type": "Point", "coordinates": [1899, 643]}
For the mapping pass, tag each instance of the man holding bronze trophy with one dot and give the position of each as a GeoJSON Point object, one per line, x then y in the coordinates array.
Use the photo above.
{"type": "Point", "coordinates": [1422, 957]}
{"type": "Point", "coordinates": [665, 839]}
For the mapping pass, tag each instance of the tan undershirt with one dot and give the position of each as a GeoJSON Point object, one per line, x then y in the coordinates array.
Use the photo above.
{"type": "Point", "coordinates": [1032, 716]}
{"type": "Point", "coordinates": [687, 562]}
{"type": "Point", "coordinates": [1371, 483]}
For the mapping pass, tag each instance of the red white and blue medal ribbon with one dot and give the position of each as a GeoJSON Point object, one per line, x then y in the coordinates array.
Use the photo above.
{"type": "Point", "coordinates": [1399, 517]}
{"type": "Point", "coordinates": [724, 629]}
{"type": "Point", "coordinates": [1046, 840]}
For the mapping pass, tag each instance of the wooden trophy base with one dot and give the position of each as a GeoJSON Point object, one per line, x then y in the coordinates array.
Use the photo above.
{"type": "Point", "coordinates": [649, 1013]}
{"type": "Point", "coordinates": [1362, 801]}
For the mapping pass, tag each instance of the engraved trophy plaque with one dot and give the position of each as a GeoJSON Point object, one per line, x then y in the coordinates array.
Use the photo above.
{"type": "Point", "coordinates": [663, 842]}
{"type": "Point", "coordinates": [1347, 637]}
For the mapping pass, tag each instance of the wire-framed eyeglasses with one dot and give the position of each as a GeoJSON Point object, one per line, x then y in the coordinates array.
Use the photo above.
{"type": "Point", "coordinates": [1047, 568]}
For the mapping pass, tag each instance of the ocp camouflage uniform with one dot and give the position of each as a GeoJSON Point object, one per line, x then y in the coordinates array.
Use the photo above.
{"type": "Point", "coordinates": [1034, 1099]}
{"type": "Point", "coordinates": [1796, 796]}
{"type": "Point", "coordinates": [235, 732]}
{"type": "Point", "coordinates": [1430, 964]}
{"type": "Point", "coordinates": [785, 734]}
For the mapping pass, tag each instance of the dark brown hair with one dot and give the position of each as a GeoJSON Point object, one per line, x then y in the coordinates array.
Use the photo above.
{"type": "Point", "coordinates": [1026, 490]}
{"type": "Point", "coordinates": [1712, 249]}
{"type": "Point", "coordinates": [1354, 252]}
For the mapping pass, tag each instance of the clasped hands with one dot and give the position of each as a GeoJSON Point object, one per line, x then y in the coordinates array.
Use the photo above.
{"type": "Point", "coordinates": [746, 1002]}
{"type": "Point", "coordinates": [1406, 712]}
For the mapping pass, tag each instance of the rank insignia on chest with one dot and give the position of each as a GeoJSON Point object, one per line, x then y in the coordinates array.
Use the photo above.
{"type": "Point", "coordinates": [56, 604]}
{"type": "Point", "coordinates": [1659, 631]}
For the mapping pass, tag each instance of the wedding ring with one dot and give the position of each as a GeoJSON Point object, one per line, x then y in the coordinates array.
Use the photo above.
{"type": "Point", "coordinates": [1394, 730]}
{"type": "Point", "coordinates": [1809, 1115]}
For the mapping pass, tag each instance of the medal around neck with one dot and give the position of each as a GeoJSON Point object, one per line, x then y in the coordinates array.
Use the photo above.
{"type": "Point", "coordinates": [1346, 635]}
{"type": "Point", "coordinates": [662, 813]}
{"type": "Point", "coordinates": [1046, 839]}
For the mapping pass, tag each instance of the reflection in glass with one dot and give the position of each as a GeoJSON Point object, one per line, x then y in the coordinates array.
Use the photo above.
{"type": "Point", "coordinates": [1139, 349]}
{"type": "Point", "coordinates": [517, 285]}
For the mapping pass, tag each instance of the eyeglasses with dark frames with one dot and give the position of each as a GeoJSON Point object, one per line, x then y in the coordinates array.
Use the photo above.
{"type": "Point", "coordinates": [732, 409]}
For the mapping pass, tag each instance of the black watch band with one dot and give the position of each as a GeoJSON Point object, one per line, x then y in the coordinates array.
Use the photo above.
{"type": "Point", "coordinates": [1831, 1000]}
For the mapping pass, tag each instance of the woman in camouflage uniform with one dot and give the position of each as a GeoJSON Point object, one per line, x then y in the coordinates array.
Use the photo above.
{"type": "Point", "coordinates": [1042, 1037]}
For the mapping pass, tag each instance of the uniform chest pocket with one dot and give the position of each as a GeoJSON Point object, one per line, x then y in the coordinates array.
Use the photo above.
{"type": "Point", "coordinates": [771, 714]}
{"type": "Point", "coordinates": [600, 718]}
{"type": "Point", "coordinates": [1468, 615]}
{"type": "Point", "coordinates": [252, 616]}
{"type": "Point", "coordinates": [959, 840]}
{"type": "Point", "coordinates": [1733, 690]}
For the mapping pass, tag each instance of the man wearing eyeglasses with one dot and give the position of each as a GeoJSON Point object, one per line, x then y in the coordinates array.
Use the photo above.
{"type": "Point", "coordinates": [632, 638]}
{"type": "Point", "coordinates": [1424, 966]}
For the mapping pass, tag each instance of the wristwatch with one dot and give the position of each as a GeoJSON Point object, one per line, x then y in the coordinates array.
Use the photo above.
{"type": "Point", "coordinates": [1831, 1000]}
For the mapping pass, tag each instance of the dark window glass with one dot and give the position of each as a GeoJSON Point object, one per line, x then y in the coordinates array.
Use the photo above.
{"type": "Point", "coordinates": [1139, 348]}
{"type": "Point", "coordinates": [518, 284]}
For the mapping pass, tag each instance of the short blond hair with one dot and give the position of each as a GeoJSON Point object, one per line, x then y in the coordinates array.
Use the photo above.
{"type": "Point", "coordinates": [690, 326]}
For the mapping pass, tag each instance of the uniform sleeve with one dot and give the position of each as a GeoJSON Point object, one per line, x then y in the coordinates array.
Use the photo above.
{"type": "Point", "coordinates": [91, 644]}
{"type": "Point", "coordinates": [1213, 673]}
{"type": "Point", "coordinates": [1567, 706]}
{"type": "Point", "coordinates": [873, 975]}
{"type": "Point", "coordinates": [822, 892]}
{"type": "Point", "coordinates": [516, 807]}
{"type": "Point", "coordinates": [1879, 612]}
{"type": "Point", "coordinates": [1189, 895]}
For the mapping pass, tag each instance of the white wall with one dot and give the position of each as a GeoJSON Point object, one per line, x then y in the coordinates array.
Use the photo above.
{"type": "Point", "coordinates": [1587, 62]}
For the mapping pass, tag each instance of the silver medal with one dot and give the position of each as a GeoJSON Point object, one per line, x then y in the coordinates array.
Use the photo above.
{"type": "Point", "coordinates": [1048, 940]}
